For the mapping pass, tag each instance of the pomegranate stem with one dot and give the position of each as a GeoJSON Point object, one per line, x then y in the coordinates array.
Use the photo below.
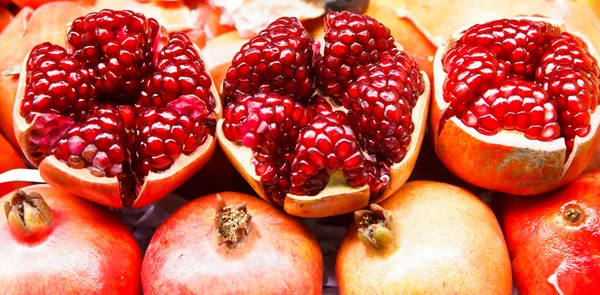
{"type": "Point", "coordinates": [28, 214]}
{"type": "Point", "coordinates": [375, 227]}
{"type": "Point", "coordinates": [233, 225]}
{"type": "Point", "coordinates": [573, 215]}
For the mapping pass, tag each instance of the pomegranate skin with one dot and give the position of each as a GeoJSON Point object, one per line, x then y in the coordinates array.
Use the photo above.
{"type": "Point", "coordinates": [9, 159]}
{"type": "Point", "coordinates": [448, 242]}
{"type": "Point", "coordinates": [88, 250]}
{"type": "Point", "coordinates": [280, 256]}
{"type": "Point", "coordinates": [553, 251]}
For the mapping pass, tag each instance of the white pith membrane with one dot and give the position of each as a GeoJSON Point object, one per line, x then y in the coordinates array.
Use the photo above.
{"type": "Point", "coordinates": [106, 190]}
{"type": "Point", "coordinates": [337, 197]}
{"type": "Point", "coordinates": [534, 152]}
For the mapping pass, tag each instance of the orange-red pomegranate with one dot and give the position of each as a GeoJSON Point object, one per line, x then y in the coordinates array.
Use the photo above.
{"type": "Point", "coordinates": [232, 243]}
{"type": "Point", "coordinates": [324, 133]}
{"type": "Point", "coordinates": [9, 159]}
{"type": "Point", "coordinates": [56, 243]}
{"type": "Point", "coordinates": [516, 105]}
{"type": "Point", "coordinates": [427, 238]}
{"type": "Point", "coordinates": [553, 238]}
{"type": "Point", "coordinates": [122, 115]}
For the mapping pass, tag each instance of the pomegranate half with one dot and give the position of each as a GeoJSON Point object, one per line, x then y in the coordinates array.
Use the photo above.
{"type": "Point", "coordinates": [324, 133]}
{"type": "Point", "coordinates": [515, 107]}
{"type": "Point", "coordinates": [121, 117]}
{"type": "Point", "coordinates": [553, 238]}
{"type": "Point", "coordinates": [427, 238]}
{"type": "Point", "coordinates": [232, 243]}
{"type": "Point", "coordinates": [53, 242]}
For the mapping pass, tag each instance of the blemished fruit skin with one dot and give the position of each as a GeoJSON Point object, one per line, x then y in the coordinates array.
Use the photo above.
{"type": "Point", "coordinates": [553, 238]}
{"type": "Point", "coordinates": [87, 250]}
{"type": "Point", "coordinates": [447, 242]}
{"type": "Point", "coordinates": [279, 256]}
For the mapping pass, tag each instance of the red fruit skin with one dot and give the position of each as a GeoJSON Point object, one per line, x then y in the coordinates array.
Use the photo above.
{"type": "Point", "coordinates": [280, 256]}
{"type": "Point", "coordinates": [594, 165]}
{"type": "Point", "coordinates": [9, 159]}
{"type": "Point", "coordinates": [89, 250]}
{"type": "Point", "coordinates": [542, 242]}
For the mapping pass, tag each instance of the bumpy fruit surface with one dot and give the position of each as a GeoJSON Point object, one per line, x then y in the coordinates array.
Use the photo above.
{"type": "Point", "coordinates": [328, 153]}
{"type": "Point", "coordinates": [518, 98]}
{"type": "Point", "coordinates": [123, 115]}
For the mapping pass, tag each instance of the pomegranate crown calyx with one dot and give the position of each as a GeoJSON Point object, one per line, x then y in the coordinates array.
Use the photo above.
{"type": "Point", "coordinates": [233, 225]}
{"type": "Point", "coordinates": [28, 212]}
{"type": "Point", "coordinates": [375, 227]}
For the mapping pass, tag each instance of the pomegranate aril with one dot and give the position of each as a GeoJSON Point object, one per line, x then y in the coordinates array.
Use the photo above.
{"type": "Point", "coordinates": [380, 104]}
{"type": "Point", "coordinates": [54, 83]}
{"type": "Point", "coordinates": [278, 59]}
{"type": "Point", "coordinates": [520, 42]}
{"type": "Point", "coordinates": [312, 164]}
{"type": "Point", "coordinates": [351, 42]}
{"type": "Point", "coordinates": [118, 46]}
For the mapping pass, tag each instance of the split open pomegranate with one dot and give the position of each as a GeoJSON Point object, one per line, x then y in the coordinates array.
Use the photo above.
{"type": "Point", "coordinates": [122, 116]}
{"type": "Point", "coordinates": [324, 133]}
{"type": "Point", "coordinates": [516, 104]}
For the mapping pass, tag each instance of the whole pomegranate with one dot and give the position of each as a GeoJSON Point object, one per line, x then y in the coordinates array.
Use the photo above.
{"type": "Point", "coordinates": [427, 238]}
{"type": "Point", "coordinates": [326, 133]}
{"type": "Point", "coordinates": [516, 105]}
{"type": "Point", "coordinates": [123, 116]}
{"type": "Point", "coordinates": [553, 238]}
{"type": "Point", "coordinates": [232, 243]}
{"type": "Point", "coordinates": [56, 243]}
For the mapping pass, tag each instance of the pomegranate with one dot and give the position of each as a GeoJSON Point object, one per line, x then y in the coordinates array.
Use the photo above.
{"type": "Point", "coordinates": [56, 243]}
{"type": "Point", "coordinates": [427, 238]}
{"type": "Point", "coordinates": [232, 243]}
{"type": "Point", "coordinates": [122, 116]}
{"type": "Point", "coordinates": [594, 165]}
{"type": "Point", "coordinates": [5, 18]}
{"type": "Point", "coordinates": [516, 105]}
{"type": "Point", "coordinates": [553, 238]}
{"type": "Point", "coordinates": [37, 3]}
{"type": "Point", "coordinates": [27, 29]}
{"type": "Point", "coordinates": [9, 159]}
{"type": "Point", "coordinates": [320, 154]}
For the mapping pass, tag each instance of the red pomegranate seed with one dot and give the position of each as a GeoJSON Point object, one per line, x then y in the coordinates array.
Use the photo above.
{"type": "Point", "coordinates": [278, 59]}
{"type": "Point", "coordinates": [351, 42]}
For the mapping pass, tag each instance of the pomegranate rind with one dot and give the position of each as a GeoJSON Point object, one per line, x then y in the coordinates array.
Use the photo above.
{"type": "Point", "coordinates": [506, 162]}
{"type": "Point", "coordinates": [105, 190]}
{"type": "Point", "coordinates": [337, 197]}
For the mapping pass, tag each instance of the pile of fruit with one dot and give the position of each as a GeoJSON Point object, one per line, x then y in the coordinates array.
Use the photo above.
{"type": "Point", "coordinates": [467, 166]}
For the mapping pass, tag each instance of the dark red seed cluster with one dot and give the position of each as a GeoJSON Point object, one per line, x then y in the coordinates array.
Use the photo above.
{"type": "Point", "coordinates": [179, 71]}
{"type": "Point", "coordinates": [119, 105]}
{"type": "Point", "coordinates": [522, 75]}
{"type": "Point", "coordinates": [278, 60]}
{"type": "Point", "coordinates": [298, 143]}
{"type": "Point", "coordinates": [352, 41]}
{"type": "Point", "coordinates": [118, 45]}
{"type": "Point", "coordinates": [57, 83]}
{"type": "Point", "coordinates": [380, 105]}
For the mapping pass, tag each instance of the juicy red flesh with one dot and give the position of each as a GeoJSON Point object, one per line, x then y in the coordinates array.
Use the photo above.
{"type": "Point", "coordinates": [56, 83]}
{"type": "Point", "coordinates": [380, 105]}
{"type": "Point", "coordinates": [114, 128]}
{"type": "Point", "coordinates": [351, 42]}
{"type": "Point", "coordinates": [118, 46]}
{"type": "Point", "coordinates": [298, 143]}
{"type": "Point", "coordinates": [278, 60]}
{"type": "Point", "coordinates": [522, 75]}
{"type": "Point", "coordinates": [326, 145]}
{"type": "Point", "coordinates": [519, 42]}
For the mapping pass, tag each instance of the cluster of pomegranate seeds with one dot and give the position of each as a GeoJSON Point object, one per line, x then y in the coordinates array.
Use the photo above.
{"type": "Point", "coordinates": [119, 105]}
{"type": "Point", "coordinates": [278, 59]}
{"type": "Point", "coordinates": [57, 83]}
{"type": "Point", "coordinates": [118, 46]}
{"type": "Point", "coordinates": [298, 143]}
{"type": "Point", "coordinates": [352, 41]}
{"type": "Point", "coordinates": [522, 75]}
{"type": "Point", "coordinates": [380, 105]}
{"type": "Point", "coordinates": [327, 144]}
